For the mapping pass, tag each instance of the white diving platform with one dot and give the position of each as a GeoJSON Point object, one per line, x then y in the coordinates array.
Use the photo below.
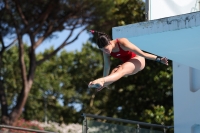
{"type": "Point", "coordinates": [178, 39]}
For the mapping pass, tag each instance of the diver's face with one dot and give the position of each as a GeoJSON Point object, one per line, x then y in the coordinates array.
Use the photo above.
{"type": "Point", "coordinates": [107, 49]}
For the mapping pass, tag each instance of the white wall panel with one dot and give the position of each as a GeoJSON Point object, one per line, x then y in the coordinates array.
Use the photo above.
{"type": "Point", "coordinates": [167, 8]}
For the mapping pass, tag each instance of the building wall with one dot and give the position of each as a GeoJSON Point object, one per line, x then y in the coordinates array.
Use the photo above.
{"type": "Point", "coordinates": [167, 8]}
{"type": "Point", "coordinates": [186, 87]}
{"type": "Point", "coordinates": [177, 38]}
{"type": "Point", "coordinates": [186, 79]}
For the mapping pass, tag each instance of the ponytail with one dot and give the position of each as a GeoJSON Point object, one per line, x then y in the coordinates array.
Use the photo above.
{"type": "Point", "coordinates": [102, 40]}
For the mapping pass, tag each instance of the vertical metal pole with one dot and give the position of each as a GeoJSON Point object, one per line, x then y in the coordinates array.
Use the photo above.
{"type": "Point", "coordinates": [45, 109]}
{"type": "Point", "coordinates": [85, 127]}
{"type": "Point", "coordinates": [146, 10]}
{"type": "Point", "coordinates": [151, 130]}
{"type": "Point", "coordinates": [165, 130]}
{"type": "Point", "coordinates": [138, 128]}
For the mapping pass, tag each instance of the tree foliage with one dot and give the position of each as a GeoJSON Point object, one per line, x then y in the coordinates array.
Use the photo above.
{"type": "Point", "coordinates": [61, 85]}
{"type": "Point", "coordinates": [39, 20]}
{"type": "Point", "coordinates": [122, 12]}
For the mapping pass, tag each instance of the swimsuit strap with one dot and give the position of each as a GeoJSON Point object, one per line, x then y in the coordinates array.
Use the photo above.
{"type": "Point", "coordinates": [119, 45]}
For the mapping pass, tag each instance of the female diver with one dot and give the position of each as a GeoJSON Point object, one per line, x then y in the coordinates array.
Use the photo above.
{"type": "Point", "coordinates": [132, 57]}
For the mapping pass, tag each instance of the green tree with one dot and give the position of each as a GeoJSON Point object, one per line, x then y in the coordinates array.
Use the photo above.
{"type": "Point", "coordinates": [40, 20]}
{"type": "Point", "coordinates": [50, 85]}
{"type": "Point", "coordinates": [61, 83]}
{"type": "Point", "coordinates": [122, 12]}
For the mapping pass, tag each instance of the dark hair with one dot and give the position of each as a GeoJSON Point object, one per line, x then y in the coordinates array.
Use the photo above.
{"type": "Point", "coordinates": [102, 39]}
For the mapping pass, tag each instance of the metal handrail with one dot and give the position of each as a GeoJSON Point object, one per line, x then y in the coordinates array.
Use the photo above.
{"type": "Point", "coordinates": [24, 129]}
{"type": "Point", "coordinates": [127, 121]}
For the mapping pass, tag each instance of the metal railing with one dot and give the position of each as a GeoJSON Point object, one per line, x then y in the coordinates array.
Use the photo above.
{"type": "Point", "coordinates": [85, 124]}
{"type": "Point", "coordinates": [24, 129]}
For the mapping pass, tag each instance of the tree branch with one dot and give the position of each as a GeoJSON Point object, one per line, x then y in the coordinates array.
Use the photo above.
{"type": "Point", "coordinates": [21, 60]}
{"type": "Point", "coordinates": [41, 39]}
{"type": "Point", "coordinates": [60, 47]}
{"type": "Point", "coordinates": [11, 43]}
{"type": "Point", "coordinates": [49, 31]}
{"type": "Point", "coordinates": [42, 18]}
{"type": "Point", "coordinates": [20, 12]}
{"type": "Point", "coordinates": [5, 47]}
{"type": "Point", "coordinates": [32, 62]}
{"type": "Point", "coordinates": [7, 7]}
{"type": "Point", "coordinates": [2, 43]}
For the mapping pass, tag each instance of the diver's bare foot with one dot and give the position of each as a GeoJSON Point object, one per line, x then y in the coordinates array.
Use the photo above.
{"type": "Point", "coordinates": [97, 84]}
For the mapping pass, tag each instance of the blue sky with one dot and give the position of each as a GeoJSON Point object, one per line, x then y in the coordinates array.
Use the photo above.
{"type": "Point", "coordinates": [55, 42]}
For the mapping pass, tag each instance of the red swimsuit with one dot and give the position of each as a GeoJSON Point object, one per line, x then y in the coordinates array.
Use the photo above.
{"type": "Point", "coordinates": [122, 55]}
